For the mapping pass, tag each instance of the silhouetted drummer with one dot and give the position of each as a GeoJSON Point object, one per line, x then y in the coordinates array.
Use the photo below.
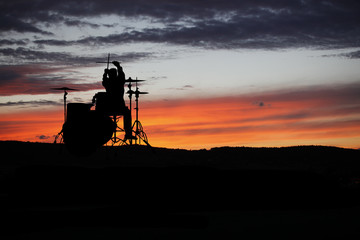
{"type": "Point", "coordinates": [114, 81]}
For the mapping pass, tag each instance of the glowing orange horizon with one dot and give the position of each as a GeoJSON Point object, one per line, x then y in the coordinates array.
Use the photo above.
{"type": "Point", "coordinates": [274, 119]}
{"type": "Point", "coordinates": [201, 124]}
{"type": "Point", "coordinates": [38, 126]}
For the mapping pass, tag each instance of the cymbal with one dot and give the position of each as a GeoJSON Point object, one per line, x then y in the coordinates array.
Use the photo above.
{"type": "Point", "coordinates": [64, 89]}
{"type": "Point", "coordinates": [136, 92]}
{"type": "Point", "coordinates": [134, 80]}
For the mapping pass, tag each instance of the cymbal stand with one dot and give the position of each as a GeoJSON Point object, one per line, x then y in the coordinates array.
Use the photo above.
{"type": "Point", "coordinates": [65, 89]}
{"type": "Point", "coordinates": [139, 131]}
{"type": "Point", "coordinates": [60, 134]}
{"type": "Point", "coordinates": [130, 101]}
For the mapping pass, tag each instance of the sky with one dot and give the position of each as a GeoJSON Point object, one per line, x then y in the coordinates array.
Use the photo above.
{"type": "Point", "coordinates": [219, 73]}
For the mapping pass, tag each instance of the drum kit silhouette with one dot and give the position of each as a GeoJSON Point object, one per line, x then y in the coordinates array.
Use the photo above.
{"type": "Point", "coordinates": [84, 129]}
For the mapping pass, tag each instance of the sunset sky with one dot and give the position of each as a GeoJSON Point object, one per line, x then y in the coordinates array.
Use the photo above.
{"type": "Point", "coordinates": [219, 73]}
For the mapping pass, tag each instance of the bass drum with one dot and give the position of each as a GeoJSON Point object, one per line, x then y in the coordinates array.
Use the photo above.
{"type": "Point", "coordinates": [84, 130]}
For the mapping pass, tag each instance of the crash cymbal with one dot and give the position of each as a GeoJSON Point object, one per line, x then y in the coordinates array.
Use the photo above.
{"type": "Point", "coordinates": [65, 89]}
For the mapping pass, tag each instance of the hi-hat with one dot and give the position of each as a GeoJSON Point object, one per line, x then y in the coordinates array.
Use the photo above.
{"type": "Point", "coordinates": [134, 80]}
{"type": "Point", "coordinates": [136, 92]}
{"type": "Point", "coordinates": [65, 89]}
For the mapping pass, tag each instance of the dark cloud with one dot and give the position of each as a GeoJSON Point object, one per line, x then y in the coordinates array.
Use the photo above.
{"type": "Point", "coordinates": [13, 42]}
{"type": "Point", "coordinates": [9, 23]}
{"type": "Point", "coordinates": [21, 54]}
{"type": "Point", "coordinates": [185, 87]}
{"type": "Point", "coordinates": [33, 103]}
{"type": "Point", "coordinates": [259, 103]}
{"type": "Point", "coordinates": [54, 42]}
{"type": "Point", "coordinates": [8, 75]}
{"type": "Point", "coordinates": [159, 78]}
{"type": "Point", "coordinates": [38, 79]}
{"type": "Point", "coordinates": [240, 33]}
{"type": "Point", "coordinates": [212, 23]}
{"type": "Point", "coordinates": [36, 72]}
{"type": "Point", "coordinates": [78, 23]}
{"type": "Point", "coordinates": [43, 137]}
{"type": "Point", "coordinates": [333, 93]}
{"type": "Point", "coordinates": [352, 55]}
{"type": "Point", "coordinates": [44, 86]}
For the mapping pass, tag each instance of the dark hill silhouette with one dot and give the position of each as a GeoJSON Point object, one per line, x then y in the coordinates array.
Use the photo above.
{"type": "Point", "coordinates": [274, 191]}
{"type": "Point", "coordinates": [321, 158]}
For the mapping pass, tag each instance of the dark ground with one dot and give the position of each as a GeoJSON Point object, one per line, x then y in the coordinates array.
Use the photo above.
{"type": "Point", "coordinates": [135, 192]}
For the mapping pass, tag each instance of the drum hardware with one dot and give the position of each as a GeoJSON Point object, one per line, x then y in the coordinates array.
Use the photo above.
{"type": "Point", "coordinates": [137, 127]}
{"type": "Point", "coordinates": [115, 139]}
{"type": "Point", "coordinates": [65, 89]}
{"type": "Point", "coordinates": [129, 80]}
{"type": "Point", "coordinates": [103, 121]}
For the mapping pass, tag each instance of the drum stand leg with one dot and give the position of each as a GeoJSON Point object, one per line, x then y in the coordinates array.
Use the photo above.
{"type": "Point", "coordinates": [139, 133]}
{"type": "Point", "coordinates": [115, 140]}
{"type": "Point", "coordinates": [60, 134]}
{"type": "Point", "coordinates": [59, 137]}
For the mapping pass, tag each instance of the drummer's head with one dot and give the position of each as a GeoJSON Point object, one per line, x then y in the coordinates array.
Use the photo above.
{"type": "Point", "coordinates": [112, 72]}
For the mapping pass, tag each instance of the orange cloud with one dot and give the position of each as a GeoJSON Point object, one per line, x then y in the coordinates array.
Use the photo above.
{"type": "Point", "coordinates": [317, 116]}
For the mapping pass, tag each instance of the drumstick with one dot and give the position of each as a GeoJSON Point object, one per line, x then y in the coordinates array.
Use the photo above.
{"type": "Point", "coordinates": [108, 61]}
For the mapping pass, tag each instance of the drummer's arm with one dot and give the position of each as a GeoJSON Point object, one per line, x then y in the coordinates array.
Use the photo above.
{"type": "Point", "coordinates": [119, 68]}
{"type": "Point", "coordinates": [121, 74]}
{"type": "Point", "coordinates": [117, 64]}
{"type": "Point", "coordinates": [105, 78]}
{"type": "Point", "coordinates": [105, 73]}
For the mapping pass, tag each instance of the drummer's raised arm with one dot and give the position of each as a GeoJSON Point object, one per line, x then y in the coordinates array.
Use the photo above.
{"type": "Point", "coordinates": [116, 63]}
{"type": "Point", "coordinates": [121, 74]}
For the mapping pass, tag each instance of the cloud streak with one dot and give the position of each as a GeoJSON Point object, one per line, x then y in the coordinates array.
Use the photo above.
{"type": "Point", "coordinates": [37, 71]}
{"type": "Point", "coordinates": [37, 79]}
{"type": "Point", "coordinates": [26, 55]}
{"type": "Point", "coordinates": [33, 103]}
